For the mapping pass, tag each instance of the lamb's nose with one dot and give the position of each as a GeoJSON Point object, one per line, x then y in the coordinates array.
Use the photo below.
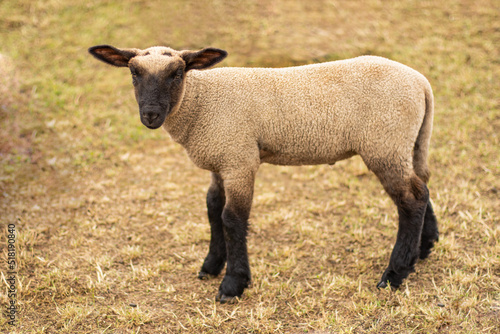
{"type": "Point", "coordinates": [150, 116]}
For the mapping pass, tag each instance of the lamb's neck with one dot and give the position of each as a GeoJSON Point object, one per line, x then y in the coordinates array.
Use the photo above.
{"type": "Point", "coordinates": [183, 116]}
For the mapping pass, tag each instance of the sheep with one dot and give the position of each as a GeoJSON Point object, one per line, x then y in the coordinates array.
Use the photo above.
{"type": "Point", "coordinates": [230, 120]}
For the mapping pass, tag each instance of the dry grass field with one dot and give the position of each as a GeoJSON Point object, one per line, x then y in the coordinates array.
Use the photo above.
{"type": "Point", "coordinates": [110, 216]}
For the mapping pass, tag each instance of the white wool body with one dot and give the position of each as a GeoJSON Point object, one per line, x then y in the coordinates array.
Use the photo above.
{"type": "Point", "coordinates": [313, 114]}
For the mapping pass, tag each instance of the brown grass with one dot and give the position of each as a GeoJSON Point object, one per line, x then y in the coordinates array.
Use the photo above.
{"type": "Point", "coordinates": [110, 214]}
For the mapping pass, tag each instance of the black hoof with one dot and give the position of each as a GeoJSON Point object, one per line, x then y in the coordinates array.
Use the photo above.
{"type": "Point", "coordinates": [223, 299]}
{"type": "Point", "coordinates": [211, 268]}
{"type": "Point", "coordinates": [381, 285]}
{"type": "Point", "coordinates": [205, 276]}
{"type": "Point", "coordinates": [232, 287]}
{"type": "Point", "coordinates": [385, 284]}
{"type": "Point", "coordinates": [393, 279]}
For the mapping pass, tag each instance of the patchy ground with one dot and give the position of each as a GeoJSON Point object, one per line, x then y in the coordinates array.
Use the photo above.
{"type": "Point", "coordinates": [110, 216]}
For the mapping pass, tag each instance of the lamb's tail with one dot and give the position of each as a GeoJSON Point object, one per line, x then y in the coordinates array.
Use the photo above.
{"type": "Point", "coordinates": [421, 149]}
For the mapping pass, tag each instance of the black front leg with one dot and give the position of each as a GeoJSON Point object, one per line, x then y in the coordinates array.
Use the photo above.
{"type": "Point", "coordinates": [239, 193]}
{"type": "Point", "coordinates": [237, 276]}
{"type": "Point", "coordinates": [216, 258]}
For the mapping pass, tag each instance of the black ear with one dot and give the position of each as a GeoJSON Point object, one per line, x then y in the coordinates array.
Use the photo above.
{"type": "Point", "coordinates": [113, 56]}
{"type": "Point", "coordinates": [199, 60]}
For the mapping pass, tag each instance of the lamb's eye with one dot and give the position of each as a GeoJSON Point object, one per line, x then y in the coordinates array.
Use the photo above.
{"type": "Point", "coordinates": [135, 76]}
{"type": "Point", "coordinates": [178, 73]}
{"type": "Point", "coordinates": [133, 71]}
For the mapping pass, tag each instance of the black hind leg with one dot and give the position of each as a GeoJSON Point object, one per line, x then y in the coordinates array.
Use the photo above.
{"type": "Point", "coordinates": [430, 233]}
{"type": "Point", "coordinates": [411, 197]}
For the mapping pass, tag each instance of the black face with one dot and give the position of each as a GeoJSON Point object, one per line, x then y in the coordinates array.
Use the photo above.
{"type": "Point", "coordinates": [158, 87]}
{"type": "Point", "coordinates": [158, 75]}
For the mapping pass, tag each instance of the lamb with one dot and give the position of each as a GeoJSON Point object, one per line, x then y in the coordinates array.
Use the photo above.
{"type": "Point", "coordinates": [230, 120]}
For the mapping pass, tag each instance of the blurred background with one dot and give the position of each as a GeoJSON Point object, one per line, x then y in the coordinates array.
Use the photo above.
{"type": "Point", "coordinates": [102, 203]}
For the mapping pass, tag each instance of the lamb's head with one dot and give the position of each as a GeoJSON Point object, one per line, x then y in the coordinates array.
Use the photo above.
{"type": "Point", "coordinates": [158, 75]}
